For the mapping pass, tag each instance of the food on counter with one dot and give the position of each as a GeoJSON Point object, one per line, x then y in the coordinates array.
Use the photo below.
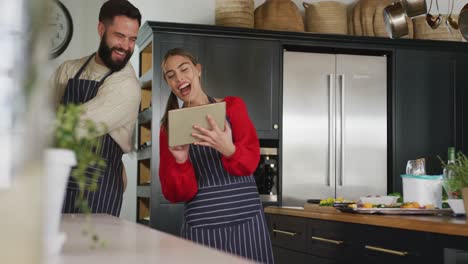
{"type": "Point", "coordinates": [330, 201]}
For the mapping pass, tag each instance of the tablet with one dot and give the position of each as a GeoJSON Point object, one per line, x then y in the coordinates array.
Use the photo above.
{"type": "Point", "coordinates": [180, 121]}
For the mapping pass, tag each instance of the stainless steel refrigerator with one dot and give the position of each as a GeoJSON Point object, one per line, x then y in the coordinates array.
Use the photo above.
{"type": "Point", "coordinates": [334, 133]}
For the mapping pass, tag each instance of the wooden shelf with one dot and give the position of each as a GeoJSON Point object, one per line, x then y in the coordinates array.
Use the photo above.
{"type": "Point", "coordinates": [145, 99]}
{"type": "Point", "coordinates": [143, 210]}
{"type": "Point", "coordinates": [144, 133]}
{"type": "Point", "coordinates": [144, 154]}
{"type": "Point", "coordinates": [144, 172]}
{"type": "Point", "coordinates": [146, 59]}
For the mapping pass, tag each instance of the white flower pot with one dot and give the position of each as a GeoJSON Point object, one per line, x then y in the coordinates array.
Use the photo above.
{"type": "Point", "coordinates": [457, 206]}
{"type": "Point", "coordinates": [58, 164]}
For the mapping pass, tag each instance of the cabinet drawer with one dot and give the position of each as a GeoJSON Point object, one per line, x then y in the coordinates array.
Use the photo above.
{"type": "Point", "coordinates": [286, 256]}
{"type": "Point", "coordinates": [390, 245]}
{"type": "Point", "coordinates": [328, 239]}
{"type": "Point", "coordinates": [288, 232]}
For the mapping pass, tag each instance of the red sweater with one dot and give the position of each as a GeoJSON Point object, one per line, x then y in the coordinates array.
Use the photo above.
{"type": "Point", "coordinates": [178, 181]}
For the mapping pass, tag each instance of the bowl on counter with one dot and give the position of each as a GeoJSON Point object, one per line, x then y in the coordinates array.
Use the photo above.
{"type": "Point", "coordinates": [387, 200]}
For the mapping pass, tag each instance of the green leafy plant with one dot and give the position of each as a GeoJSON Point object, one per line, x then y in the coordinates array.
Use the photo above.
{"type": "Point", "coordinates": [459, 175]}
{"type": "Point", "coordinates": [82, 137]}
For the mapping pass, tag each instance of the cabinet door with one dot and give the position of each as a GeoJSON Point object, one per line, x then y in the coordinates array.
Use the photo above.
{"type": "Point", "coordinates": [248, 69]}
{"type": "Point", "coordinates": [423, 109]}
{"type": "Point", "coordinates": [461, 95]}
{"type": "Point", "coordinates": [173, 213]}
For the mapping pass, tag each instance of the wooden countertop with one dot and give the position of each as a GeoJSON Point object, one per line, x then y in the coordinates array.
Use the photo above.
{"type": "Point", "coordinates": [128, 242]}
{"type": "Point", "coordinates": [435, 224]}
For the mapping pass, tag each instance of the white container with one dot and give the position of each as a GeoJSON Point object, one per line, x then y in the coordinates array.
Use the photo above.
{"type": "Point", "coordinates": [457, 206]}
{"type": "Point", "coordinates": [57, 170]}
{"type": "Point", "coordinates": [424, 189]}
{"type": "Point", "coordinates": [386, 200]}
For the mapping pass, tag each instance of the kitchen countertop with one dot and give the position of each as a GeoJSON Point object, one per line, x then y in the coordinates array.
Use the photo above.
{"type": "Point", "coordinates": [128, 242]}
{"type": "Point", "coordinates": [435, 224]}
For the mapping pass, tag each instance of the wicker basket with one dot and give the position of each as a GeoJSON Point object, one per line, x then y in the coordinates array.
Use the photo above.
{"type": "Point", "coordinates": [279, 15]}
{"type": "Point", "coordinates": [357, 19]}
{"type": "Point", "coordinates": [234, 13]}
{"type": "Point", "coordinates": [367, 16]}
{"type": "Point", "coordinates": [423, 31]}
{"type": "Point", "coordinates": [350, 11]}
{"type": "Point", "coordinates": [326, 17]}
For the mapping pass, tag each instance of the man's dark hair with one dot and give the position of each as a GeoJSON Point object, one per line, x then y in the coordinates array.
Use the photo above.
{"type": "Point", "coordinates": [113, 8]}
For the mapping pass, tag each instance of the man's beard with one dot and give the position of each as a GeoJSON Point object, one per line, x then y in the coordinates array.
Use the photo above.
{"type": "Point", "coordinates": [105, 53]}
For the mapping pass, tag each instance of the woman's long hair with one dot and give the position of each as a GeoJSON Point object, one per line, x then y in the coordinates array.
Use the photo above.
{"type": "Point", "coordinates": [172, 102]}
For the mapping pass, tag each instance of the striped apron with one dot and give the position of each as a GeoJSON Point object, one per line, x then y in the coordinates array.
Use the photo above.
{"type": "Point", "coordinates": [108, 197]}
{"type": "Point", "coordinates": [226, 213]}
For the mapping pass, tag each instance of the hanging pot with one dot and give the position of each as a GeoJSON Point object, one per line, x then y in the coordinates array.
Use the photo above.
{"type": "Point", "coordinates": [415, 7]}
{"type": "Point", "coordinates": [395, 20]}
{"type": "Point", "coordinates": [463, 22]}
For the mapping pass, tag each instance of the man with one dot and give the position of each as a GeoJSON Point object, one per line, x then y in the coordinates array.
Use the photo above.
{"type": "Point", "coordinates": [106, 86]}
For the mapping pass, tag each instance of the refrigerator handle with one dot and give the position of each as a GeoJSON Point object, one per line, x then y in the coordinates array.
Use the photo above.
{"type": "Point", "coordinates": [342, 128]}
{"type": "Point", "coordinates": [330, 129]}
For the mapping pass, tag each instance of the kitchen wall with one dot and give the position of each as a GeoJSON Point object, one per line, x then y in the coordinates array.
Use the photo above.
{"type": "Point", "coordinates": [85, 40]}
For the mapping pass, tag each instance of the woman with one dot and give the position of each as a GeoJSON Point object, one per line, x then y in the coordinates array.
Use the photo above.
{"type": "Point", "coordinates": [213, 176]}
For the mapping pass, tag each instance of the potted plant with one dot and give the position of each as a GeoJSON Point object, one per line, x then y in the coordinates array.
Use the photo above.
{"type": "Point", "coordinates": [456, 182]}
{"type": "Point", "coordinates": [75, 142]}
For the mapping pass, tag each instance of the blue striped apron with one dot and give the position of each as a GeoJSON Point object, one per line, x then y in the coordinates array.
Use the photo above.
{"type": "Point", "coordinates": [226, 213]}
{"type": "Point", "coordinates": [108, 197]}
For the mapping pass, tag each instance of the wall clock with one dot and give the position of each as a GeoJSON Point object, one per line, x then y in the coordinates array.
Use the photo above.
{"type": "Point", "coordinates": [60, 28]}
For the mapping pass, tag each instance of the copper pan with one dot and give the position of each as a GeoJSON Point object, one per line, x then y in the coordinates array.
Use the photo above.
{"type": "Point", "coordinates": [463, 22]}
{"type": "Point", "coordinates": [395, 20]}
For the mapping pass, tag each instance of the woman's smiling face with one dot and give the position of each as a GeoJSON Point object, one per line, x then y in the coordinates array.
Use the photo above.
{"type": "Point", "coordinates": [183, 77]}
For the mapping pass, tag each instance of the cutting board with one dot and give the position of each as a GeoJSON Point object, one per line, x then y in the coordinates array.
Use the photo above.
{"type": "Point", "coordinates": [318, 208]}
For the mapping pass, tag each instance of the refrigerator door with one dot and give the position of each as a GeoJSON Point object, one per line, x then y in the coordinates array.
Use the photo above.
{"type": "Point", "coordinates": [361, 126]}
{"type": "Point", "coordinates": [307, 130]}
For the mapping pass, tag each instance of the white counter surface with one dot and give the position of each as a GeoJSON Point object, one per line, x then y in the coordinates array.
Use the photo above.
{"type": "Point", "coordinates": [131, 243]}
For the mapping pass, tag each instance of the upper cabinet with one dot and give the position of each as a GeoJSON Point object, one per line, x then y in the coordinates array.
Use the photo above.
{"type": "Point", "coordinates": [424, 110]}
{"type": "Point", "coordinates": [247, 68]}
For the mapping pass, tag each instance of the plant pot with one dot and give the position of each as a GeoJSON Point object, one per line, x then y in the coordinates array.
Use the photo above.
{"type": "Point", "coordinates": [465, 198]}
{"type": "Point", "coordinates": [58, 164]}
{"type": "Point", "coordinates": [457, 206]}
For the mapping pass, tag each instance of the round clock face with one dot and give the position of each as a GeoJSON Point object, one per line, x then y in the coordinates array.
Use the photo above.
{"type": "Point", "coordinates": [60, 28]}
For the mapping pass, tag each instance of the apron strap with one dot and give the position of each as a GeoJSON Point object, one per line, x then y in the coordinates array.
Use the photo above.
{"type": "Point", "coordinates": [80, 71]}
{"type": "Point", "coordinates": [77, 75]}
{"type": "Point", "coordinates": [104, 78]}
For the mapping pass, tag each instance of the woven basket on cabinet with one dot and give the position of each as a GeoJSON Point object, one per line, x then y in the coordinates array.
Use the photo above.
{"type": "Point", "coordinates": [234, 13]}
{"type": "Point", "coordinates": [279, 15]}
{"type": "Point", "coordinates": [326, 17]}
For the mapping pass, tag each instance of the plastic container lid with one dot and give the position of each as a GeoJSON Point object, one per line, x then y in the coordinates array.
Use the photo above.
{"type": "Point", "coordinates": [422, 177]}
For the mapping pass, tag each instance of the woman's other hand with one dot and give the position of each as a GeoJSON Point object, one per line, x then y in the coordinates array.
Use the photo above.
{"type": "Point", "coordinates": [180, 153]}
{"type": "Point", "coordinates": [215, 137]}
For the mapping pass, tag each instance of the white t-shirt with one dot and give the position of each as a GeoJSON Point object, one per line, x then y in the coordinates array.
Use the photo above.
{"type": "Point", "coordinates": [116, 103]}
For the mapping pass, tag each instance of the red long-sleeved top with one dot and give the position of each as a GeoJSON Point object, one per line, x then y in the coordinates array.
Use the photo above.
{"type": "Point", "coordinates": [178, 181]}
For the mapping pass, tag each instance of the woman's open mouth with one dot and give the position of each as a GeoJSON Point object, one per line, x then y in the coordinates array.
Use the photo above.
{"type": "Point", "coordinates": [185, 88]}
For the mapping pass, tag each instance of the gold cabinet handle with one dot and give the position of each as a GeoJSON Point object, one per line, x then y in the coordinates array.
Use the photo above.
{"type": "Point", "coordinates": [331, 241]}
{"type": "Point", "coordinates": [284, 232]}
{"type": "Point", "coordinates": [388, 251]}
